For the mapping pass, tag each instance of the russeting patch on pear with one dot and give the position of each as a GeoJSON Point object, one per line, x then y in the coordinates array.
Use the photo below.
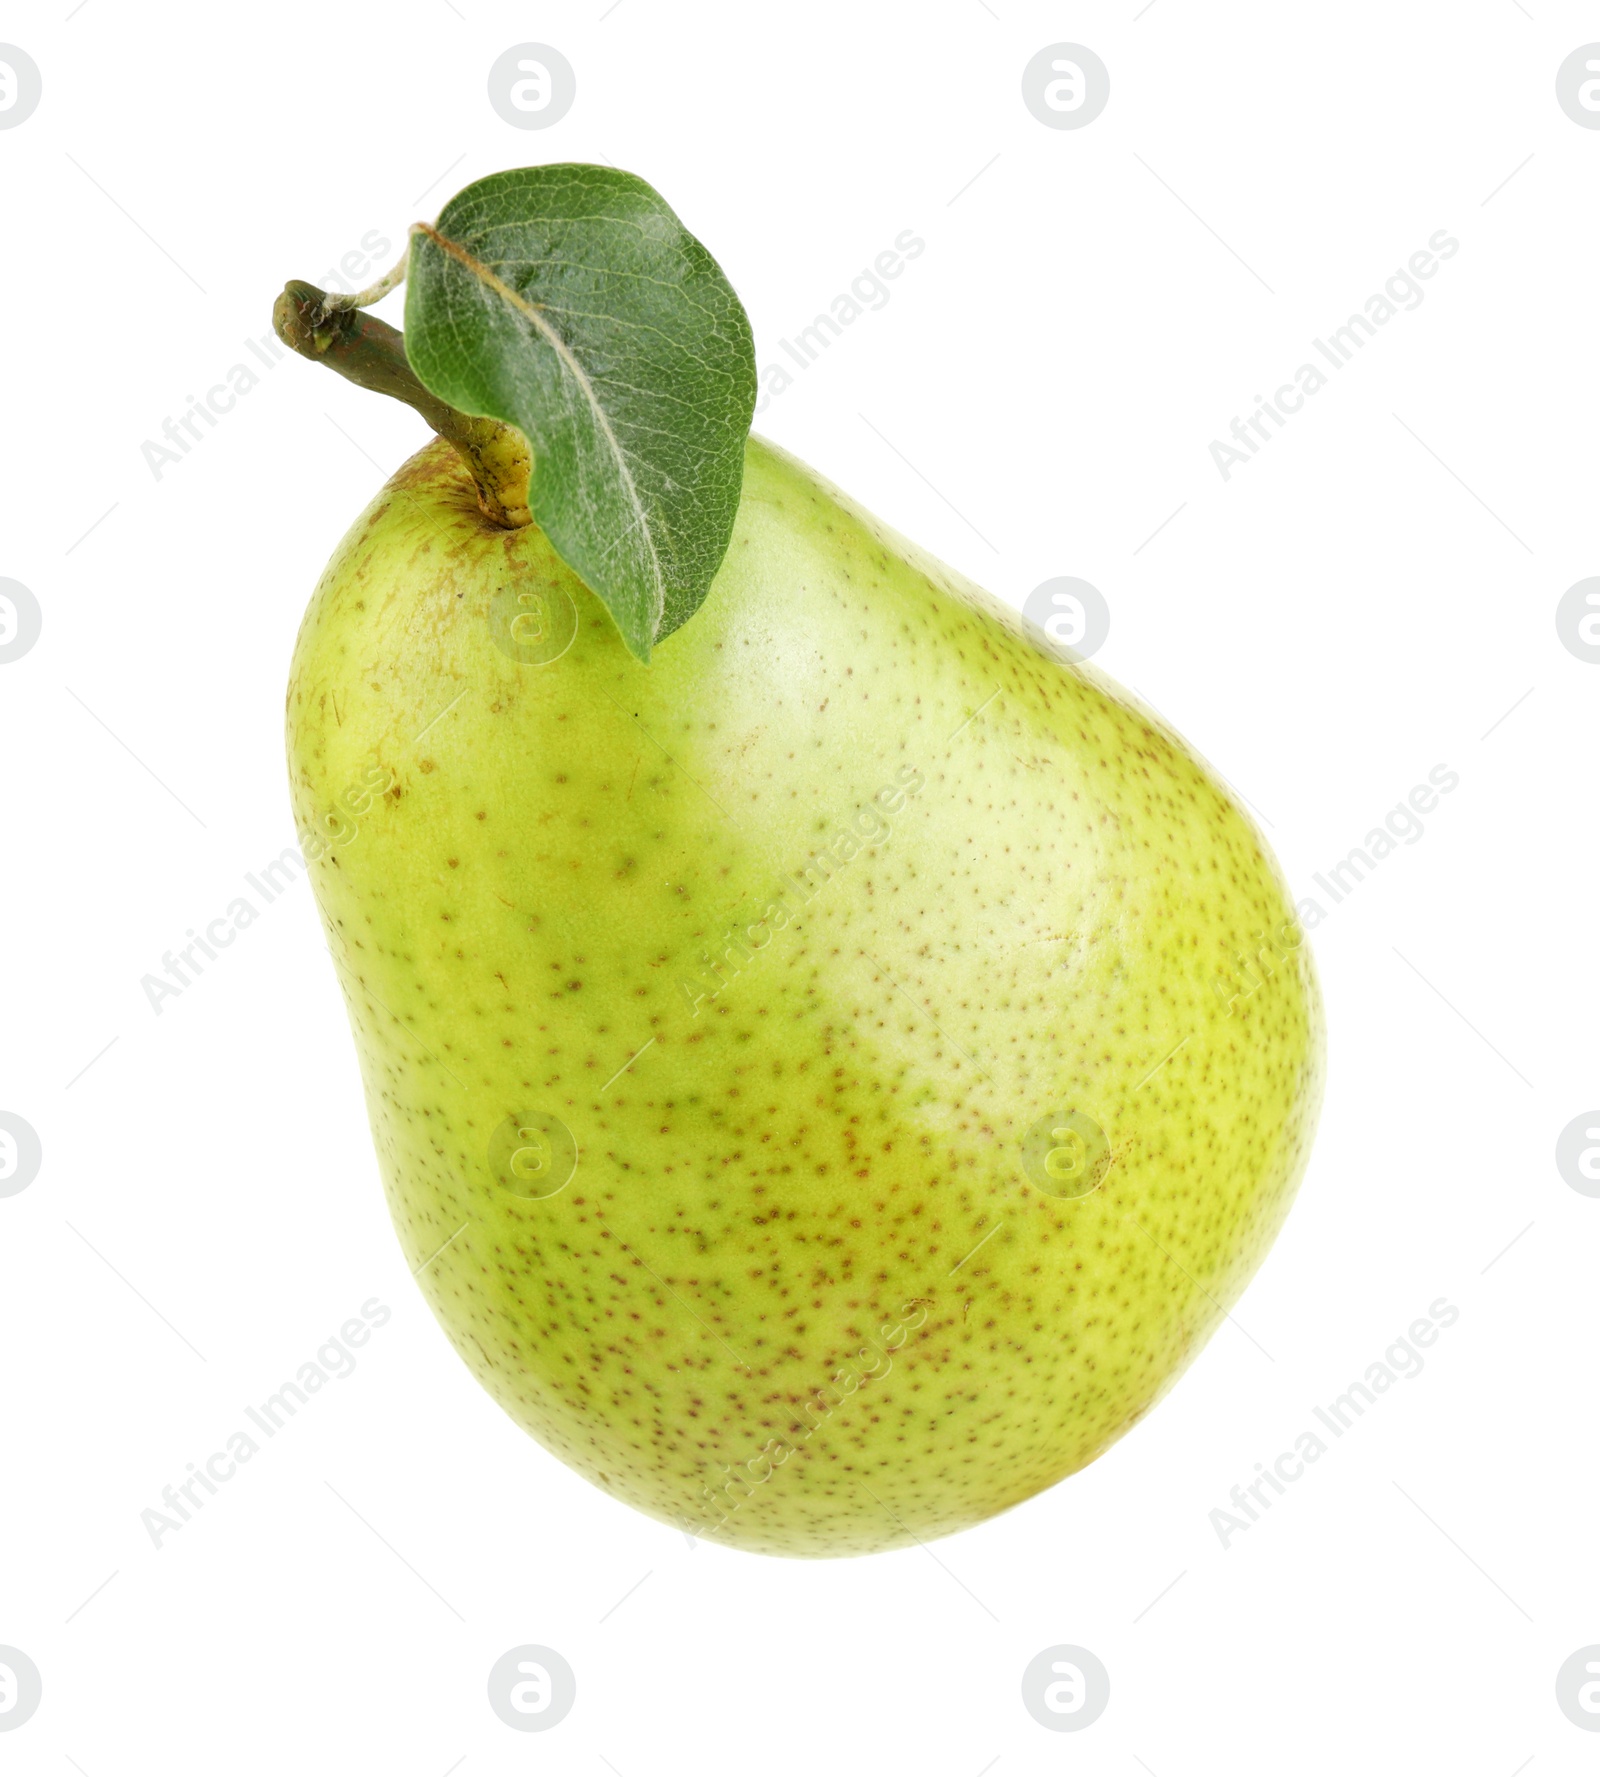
{"type": "Point", "coordinates": [799, 1004]}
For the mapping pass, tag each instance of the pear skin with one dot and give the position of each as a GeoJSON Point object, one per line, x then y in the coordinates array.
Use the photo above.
{"type": "Point", "coordinates": [828, 1082]}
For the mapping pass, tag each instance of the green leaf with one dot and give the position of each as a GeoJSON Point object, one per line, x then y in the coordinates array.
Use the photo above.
{"type": "Point", "coordinates": [571, 303]}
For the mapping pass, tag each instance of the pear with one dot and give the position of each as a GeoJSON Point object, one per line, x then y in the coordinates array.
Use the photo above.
{"type": "Point", "coordinates": [828, 1082]}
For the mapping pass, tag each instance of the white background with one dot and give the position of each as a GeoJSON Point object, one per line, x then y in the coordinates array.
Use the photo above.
{"type": "Point", "coordinates": [1368, 598]}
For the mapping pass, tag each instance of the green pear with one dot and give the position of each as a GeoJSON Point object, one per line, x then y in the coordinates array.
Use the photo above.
{"type": "Point", "coordinates": [829, 1082]}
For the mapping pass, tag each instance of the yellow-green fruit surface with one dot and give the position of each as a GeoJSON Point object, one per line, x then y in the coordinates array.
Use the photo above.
{"type": "Point", "coordinates": [829, 1082]}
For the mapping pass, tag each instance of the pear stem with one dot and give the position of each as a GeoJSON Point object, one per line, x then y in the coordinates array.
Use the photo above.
{"type": "Point", "coordinates": [371, 354]}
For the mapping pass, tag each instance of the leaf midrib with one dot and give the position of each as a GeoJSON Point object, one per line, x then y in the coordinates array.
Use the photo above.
{"type": "Point", "coordinates": [491, 280]}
